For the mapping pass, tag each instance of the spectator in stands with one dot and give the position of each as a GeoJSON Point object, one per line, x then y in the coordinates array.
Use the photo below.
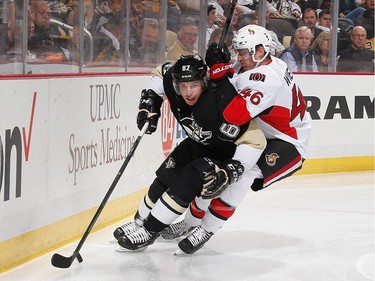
{"type": "Point", "coordinates": [305, 4]}
{"type": "Point", "coordinates": [110, 52]}
{"type": "Point", "coordinates": [148, 33]}
{"type": "Point", "coordinates": [320, 48]}
{"type": "Point", "coordinates": [59, 10]}
{"type": "Point", "coordinates": [8, 34]}
{"type": "Point", "coordinates": [277, 48]}
{"type": "Point", "coordinates": [30, 23]}
{"type": "Point", "coordinates": [324, 20]}
{"type": "Point", "coordinates": [366, 19]}
{"type": "Point", "coordinates": [310, 19]}
{"type": "Point", "coordinates": [356, 58]}
{"type": "Point", "coordinates": [250, 4]}
{"type": "Point", "coordinates": [101, 8]}
{"type": "Point", "coordinates": [235, 18]}
{"type": "Point", "coordinates": [226, 5]}
{"type": "Point", "coordinates": [189, 7]}
{"type": "Point", "coordinates": [211, 21]}
{"type": "Point", "coordinates": [353, 15]}
{"type": "Point", "coordinates": [137, 10]}
{"type": "Point", "coordinates": [11, 45]}
{"type": "Point", "coordinates": [285, 9]}
{"type": "Point", "coordinates": [89, 12]}
{"type": "Point", "coordinates": [345, 6]}
{"type": "Point", "coordinates": [246, 20]}
{"type": "Point", "coordinates": [223, 7]}
{"type": "Point", "coordinates": [298, 56]}
{"type": "Point", "coordinates": [187, 36]}
{"type": "Point", "coordinates": [345, 28]}
{"type": "Point", "coordinates": [42, 40]}
{"type": "Point", "coordinates": [173, 16]}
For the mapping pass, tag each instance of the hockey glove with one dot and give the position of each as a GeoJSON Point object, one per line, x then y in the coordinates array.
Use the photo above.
{"type": "Point", "coordinates": [218, 177]}
{"type": "Point", "coordinates": [219, 62]}
{"type": "Point", "coordinates": [149, 110]}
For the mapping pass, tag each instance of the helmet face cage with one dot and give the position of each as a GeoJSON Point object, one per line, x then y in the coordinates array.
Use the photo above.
{"type": "Point", "coordinates": [249, 37]}
{"type": "Point", "coordinates": [187, 69]}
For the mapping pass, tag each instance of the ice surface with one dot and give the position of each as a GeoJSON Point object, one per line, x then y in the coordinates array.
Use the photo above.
{"type": "Point", "coordinates": [305, 228]}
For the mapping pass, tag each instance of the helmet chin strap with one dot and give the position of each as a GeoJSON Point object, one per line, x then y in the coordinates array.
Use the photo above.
{"type": "Point", "coordinates": [260, 60]}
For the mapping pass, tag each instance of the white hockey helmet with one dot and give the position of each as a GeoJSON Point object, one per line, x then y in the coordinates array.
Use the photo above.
{"type": "Point", "coordinates": [250, 36]}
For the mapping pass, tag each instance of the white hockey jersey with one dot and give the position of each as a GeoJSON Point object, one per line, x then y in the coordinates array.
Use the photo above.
{"type": "Point", "coordinates": [269, 94]}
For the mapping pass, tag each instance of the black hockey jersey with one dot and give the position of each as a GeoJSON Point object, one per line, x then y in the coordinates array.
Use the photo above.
{"type": "Point", "coordinates": [204, 121]}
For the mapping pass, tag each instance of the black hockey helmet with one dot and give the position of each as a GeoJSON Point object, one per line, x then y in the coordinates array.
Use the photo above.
{"type": "Point", "coordinates": [189, 68]}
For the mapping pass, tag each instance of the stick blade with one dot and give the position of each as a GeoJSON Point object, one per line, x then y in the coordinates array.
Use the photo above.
{"type": "Point", "coordinates": [60, 261]}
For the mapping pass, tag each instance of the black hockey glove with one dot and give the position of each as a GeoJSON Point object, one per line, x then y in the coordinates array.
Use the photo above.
{"type": "Point", "coordinates": [219, 62]}
{"type": "Point", "coordinates": [218, 177]}
{"type": "Point", "coordinates": [149, 110]}
{"type": "Point", "coordinates": [214, 55]}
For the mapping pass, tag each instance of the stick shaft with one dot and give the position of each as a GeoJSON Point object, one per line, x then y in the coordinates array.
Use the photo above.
{"type": "Point", "coordinates": [104, 201]}
{"type": "Point", "coordinates": [227, 24]}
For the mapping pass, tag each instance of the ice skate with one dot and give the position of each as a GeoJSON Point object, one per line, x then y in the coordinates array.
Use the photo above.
{"type": "Point", "coordinates": [127, 228]}
{"type": "Point", "coordinates": [138, 239]}
{"type": "Point", "coordinates": [194, 241]}
{"type": "Point", "coordinates": [176, 230]}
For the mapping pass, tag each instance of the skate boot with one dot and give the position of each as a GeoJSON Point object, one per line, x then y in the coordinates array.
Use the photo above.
{"type": "Point", "coordinates": [138, 239]}
{"type": "Point", "coordinates": [176, 230]}
{"type": "Point", "coordinates": [194, 241]}
{"type": "Point", "coordinates": [128, 227]}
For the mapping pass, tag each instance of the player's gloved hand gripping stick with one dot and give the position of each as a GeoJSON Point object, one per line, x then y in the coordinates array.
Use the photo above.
{"type": "Point", "coordinates": [60, 261]}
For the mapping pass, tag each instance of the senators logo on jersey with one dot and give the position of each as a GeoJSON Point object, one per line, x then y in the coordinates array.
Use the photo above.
{"type": "Point", "coordinates": [257, 77]}
{"type": "Point", "coordinates": [271, 159]}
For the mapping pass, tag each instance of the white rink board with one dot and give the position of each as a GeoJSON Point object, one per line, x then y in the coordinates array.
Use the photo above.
{"type": "Point", "coordinates": [337, 99]}
{"type": "Point", "coordinates": [80, 137]}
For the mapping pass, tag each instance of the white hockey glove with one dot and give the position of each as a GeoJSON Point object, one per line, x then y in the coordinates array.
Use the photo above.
{"type": "Point", "coordinates": [218, 177]}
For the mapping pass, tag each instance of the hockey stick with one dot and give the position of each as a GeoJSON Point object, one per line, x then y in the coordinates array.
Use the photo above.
{"type": "Point", "coordinates": [65, 262]}
{"type": "Point", "coordinates": [227, 24]}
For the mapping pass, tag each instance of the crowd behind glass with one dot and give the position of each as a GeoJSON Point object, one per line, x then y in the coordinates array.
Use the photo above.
{"type": "Point", "coordinates": [70, 36]}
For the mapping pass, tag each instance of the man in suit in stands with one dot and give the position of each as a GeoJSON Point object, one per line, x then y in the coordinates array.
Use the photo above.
{"type": "Point", "coordinates": [186, 38]}
{"type": "Point", "coordinates": [298, 56]}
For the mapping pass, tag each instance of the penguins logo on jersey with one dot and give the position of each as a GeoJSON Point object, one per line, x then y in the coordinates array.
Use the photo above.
{"type": "Point", "coordinates": [271, 159]}
{"type": "Point", "coordinates": [195, 131]}
{"type": "Point", "coordinates": [170, 164]}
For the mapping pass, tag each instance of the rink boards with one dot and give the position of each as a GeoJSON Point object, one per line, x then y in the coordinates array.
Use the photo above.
{"type": "Point", "coordinates": [63, 139]}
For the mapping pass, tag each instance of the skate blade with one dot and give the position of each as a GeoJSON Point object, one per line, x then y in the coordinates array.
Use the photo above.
{"type": "Point", "coordinates": [120, 249]}
{"type": "Point", "coordinates": [175, 240]}
{"type": "Point", "coordinates": [179, 252]}
{"type": "Point", "coordinates": [113, 241]}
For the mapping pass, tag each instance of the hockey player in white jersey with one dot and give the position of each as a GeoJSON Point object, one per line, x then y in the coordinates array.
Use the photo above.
{"type": "Point", "coordinates": [268, 94]}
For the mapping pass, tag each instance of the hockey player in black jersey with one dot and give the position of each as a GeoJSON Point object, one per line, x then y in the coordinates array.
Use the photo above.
{"type": "Point", "coordinates": [214, 155]}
